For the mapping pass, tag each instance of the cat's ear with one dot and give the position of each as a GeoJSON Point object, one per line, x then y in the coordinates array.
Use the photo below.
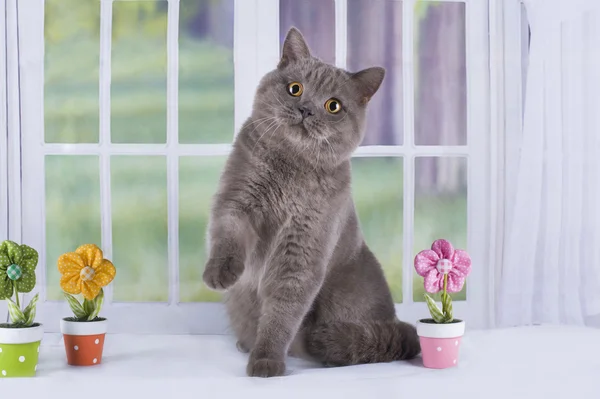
{"type": "Point", "coordinates": [368, 82]}
{"type": "Point", "coordinates": [294, 48]}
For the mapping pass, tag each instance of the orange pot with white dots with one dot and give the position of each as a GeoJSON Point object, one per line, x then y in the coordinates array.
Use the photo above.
{"type": "Point", "coordinates": [84, 341]}
{"type": "Point", "coordinates": [84, 272]}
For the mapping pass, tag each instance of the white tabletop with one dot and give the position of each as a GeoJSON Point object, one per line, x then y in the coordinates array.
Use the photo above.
{"type": "Point", "coordinates": [534, 362]}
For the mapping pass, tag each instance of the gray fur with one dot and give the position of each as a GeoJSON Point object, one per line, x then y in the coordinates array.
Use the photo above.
{"type": "Point", "coordinates": [284, 238]}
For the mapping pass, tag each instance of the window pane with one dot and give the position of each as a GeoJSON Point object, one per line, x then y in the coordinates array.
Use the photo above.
{"type": "Point", "coordinates": [206, 93]}
{"type": "Point", "coordinates": [440, 74]}
{"type": "Point", "coordinates": [72, 210]}
{"type": "Point", "coordinates": [375, 39]}
{"type": "Point", "coordinates": [198, 181]}
{"type": "Point", "coordinates": [378, 196]}
{"type": "Point", "coordinates": [440, 208]}
{"type": "Point", "coordinates": [139, 228]}
{"type": "Point", "coordinates": [71, 37]}
{"type": "Point", "coordinates": [315, 19]}
{"type": "Point", "coordinates": [139, 72]}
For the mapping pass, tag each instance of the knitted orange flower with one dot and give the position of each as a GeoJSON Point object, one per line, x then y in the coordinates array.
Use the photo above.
{"type": "Point", "coordinates": [85, 271]}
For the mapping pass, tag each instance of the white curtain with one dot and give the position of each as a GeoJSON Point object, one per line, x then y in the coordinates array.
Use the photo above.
{"type": "Point", "coordinates": [550, 271]}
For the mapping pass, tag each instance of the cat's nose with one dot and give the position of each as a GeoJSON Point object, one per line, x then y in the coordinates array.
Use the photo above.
{"type": "Point", "coordinates": [305, 111]}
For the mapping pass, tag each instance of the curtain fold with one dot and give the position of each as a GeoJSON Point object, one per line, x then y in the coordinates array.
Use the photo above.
{"type": "Point", "coordinates": [551, 265]}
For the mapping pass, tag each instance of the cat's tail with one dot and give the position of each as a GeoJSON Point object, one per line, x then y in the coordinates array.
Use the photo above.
{"type": "Point", "coordinates": [348, 343]}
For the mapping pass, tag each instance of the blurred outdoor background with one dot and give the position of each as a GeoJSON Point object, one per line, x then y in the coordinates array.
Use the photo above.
{"type": "Point", "coordinates": [206, 114]}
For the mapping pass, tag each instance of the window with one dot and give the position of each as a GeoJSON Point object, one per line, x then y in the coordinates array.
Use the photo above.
{"type": "Point", "coordinates": [129, 109]}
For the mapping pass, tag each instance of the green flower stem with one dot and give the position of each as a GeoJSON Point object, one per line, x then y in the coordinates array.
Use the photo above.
{"type": "Point", "coordinates": [17, 294]}
{"type": "Point", "coordinates": [444, 303]}
{"type": "Point", "coordinates": [445, 282]}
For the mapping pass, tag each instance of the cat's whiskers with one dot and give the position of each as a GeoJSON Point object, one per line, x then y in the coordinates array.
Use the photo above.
{"type": "Point", "coordinates": [318, 156]}
{"type": "Point", "coordinates": [274, 124]}
{"type": "Point", "coordinates": [271, 106]}
{"type": "Point", "coordinates": [263, 121]}
{"type": "Point", "coordinates": [330, 147]}
{"type": "Point", "coordinates": [274, 130]}
{"type": "Point", "coordinates": [321, 129]}
{"type": "Point", "coordinates": [260, 120]}
{"type": "Point", "coordinates": [316, 149]}
{"type": "Point", "coordinates": [278, 100]}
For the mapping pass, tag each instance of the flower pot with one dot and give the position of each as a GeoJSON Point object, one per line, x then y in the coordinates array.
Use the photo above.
{"type": "Point", "coordinates": [84, 341]}
{"type": "Point", "coordinates": [19, 350]}
{"type": "Point", "coordinates": [440, 343]}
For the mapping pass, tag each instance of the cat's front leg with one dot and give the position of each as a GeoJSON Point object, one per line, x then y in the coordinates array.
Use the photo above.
{"type": "Point", "coordinates": [227, 250]}
{"type": "Point", "coordinates": [293, 277]}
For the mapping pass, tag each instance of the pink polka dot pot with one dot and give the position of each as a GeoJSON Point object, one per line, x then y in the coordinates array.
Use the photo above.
{"type": "Point", "coordinates": [440, 342]}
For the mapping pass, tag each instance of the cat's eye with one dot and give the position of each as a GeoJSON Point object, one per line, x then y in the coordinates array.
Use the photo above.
{"type": "Point", "coordinates": [295, 89]}
{"type": "Point", "coordinates": [333, 106]}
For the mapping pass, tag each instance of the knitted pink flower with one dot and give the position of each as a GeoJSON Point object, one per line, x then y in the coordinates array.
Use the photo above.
{"type": "Point", "coordinates": [432, 264]}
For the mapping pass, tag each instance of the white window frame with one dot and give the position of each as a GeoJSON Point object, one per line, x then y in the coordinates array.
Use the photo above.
{"type": "Point", "coordinates": [3, 139]}
{"type": "Point", "coordinates": [10, 125]}
{"type": "Point", "coordinates": [256, 51]}
{"type": "Point", "coordinates": [3, 127]}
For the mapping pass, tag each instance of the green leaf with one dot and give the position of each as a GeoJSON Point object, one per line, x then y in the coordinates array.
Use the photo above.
{"type": "Point", "coordinates": [76, 307]}
{"type": "Point", "coordinates": [30, 318]}
{"type": "Point", "coordinates": [16, 315]}
{"type": "Point", "coordinates": [29, 311]}
{"type": "Point", "coordinates": [88, 306]}
{"type": "Point", "coordinates": [98, 301]}
{"type": "Point", "coordinates": [447, 307]}
{"type": "Point", "coordinates": [434, 310]}
{"type": "Point", "coordinates": [31, 306]}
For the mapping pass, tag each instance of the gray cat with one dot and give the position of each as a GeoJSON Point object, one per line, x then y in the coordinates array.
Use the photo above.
{"type": "Point", "coordinates": [284, 237]}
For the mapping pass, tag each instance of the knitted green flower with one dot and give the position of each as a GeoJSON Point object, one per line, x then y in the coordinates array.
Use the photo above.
{"type": "Point", "coordinates": [17, 268]}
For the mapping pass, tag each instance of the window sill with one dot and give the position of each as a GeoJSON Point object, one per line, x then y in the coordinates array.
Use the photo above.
{"type": "Point", "coordinates": [528, 362]}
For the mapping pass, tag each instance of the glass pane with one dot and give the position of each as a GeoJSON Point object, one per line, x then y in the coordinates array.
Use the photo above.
{"type": "Point", "coordinates": [440, 209]}
{"type": "Point", "coordinates": [206, 93]}
{"type": "Point", "coordinates": [139, 72]}
{"type": "Point", "coordinates": [315, 19]}
{"type": "Point", "coordinates": [440, 74]}
{"type": "Point", "coordinates": [72, 44]}
{"type": "Point", "coordinates": [378, 196]}
{"type": "Point", "coordinates": [139, 228]}
{"type": "Point", "coordinates": [375, 39]}
{"type": "Point", "coordinates": [72, 210]}
{"type": "Point", "coordinates": [198, 181]}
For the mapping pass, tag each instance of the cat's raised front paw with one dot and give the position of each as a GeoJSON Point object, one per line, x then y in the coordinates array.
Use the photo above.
{"type": "Point", "coordinates": [265, 368]}
{"type": "Point", "coordinates": [222, 273]}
